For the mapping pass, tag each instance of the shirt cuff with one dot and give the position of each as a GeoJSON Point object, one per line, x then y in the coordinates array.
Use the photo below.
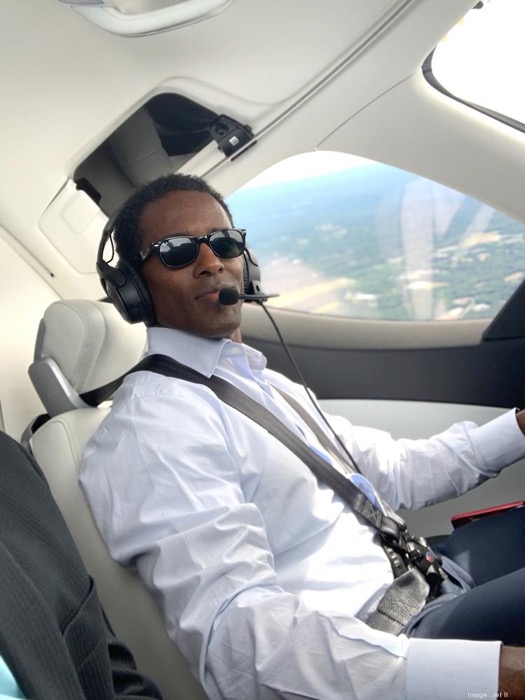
{"type": "Point", "coordinates": [452, 669]}
{"type": "Point", "coordinates": [500, 443]}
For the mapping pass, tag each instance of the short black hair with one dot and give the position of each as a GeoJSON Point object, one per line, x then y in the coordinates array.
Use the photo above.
{"type": "Point", "coordinates": [126, 232]}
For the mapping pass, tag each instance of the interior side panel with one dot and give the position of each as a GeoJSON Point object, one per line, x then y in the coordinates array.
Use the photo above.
{"type": "Point", "coordinates": [457, 370]}
{"type": "Point", "coordinates": [489, 374]}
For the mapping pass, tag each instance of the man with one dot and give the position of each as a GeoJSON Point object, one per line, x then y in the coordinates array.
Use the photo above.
{"type": "Point", "coordinates": [54, 643]}
{"type": "Point", "coordinates": [265, 577]}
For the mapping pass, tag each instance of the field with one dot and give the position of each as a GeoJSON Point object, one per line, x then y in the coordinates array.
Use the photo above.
{"type": "Point", "coordinates": [376, 242]}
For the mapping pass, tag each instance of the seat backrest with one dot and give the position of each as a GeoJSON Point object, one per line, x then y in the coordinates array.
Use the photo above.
{"type": "Point", "coordinates": [90, 330]}
{"type": "Point", "coordinates": [81, 345]}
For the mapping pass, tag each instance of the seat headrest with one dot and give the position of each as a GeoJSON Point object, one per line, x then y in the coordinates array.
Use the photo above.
{"type": "Point", "coordinates": [80, 346]}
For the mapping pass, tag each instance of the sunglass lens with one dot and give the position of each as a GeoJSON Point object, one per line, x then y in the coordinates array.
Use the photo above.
{"type": "Point", "coordinates": [178, 252]}
{"type": "Point", "coordinates": [227, 244]}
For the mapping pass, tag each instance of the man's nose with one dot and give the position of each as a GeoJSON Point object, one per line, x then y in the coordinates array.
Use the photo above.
{"type": "Point", "coordinates": [207, 262]}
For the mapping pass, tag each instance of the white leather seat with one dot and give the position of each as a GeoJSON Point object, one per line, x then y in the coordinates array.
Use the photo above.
{"type": "Point", "coordinates": [82, 345]}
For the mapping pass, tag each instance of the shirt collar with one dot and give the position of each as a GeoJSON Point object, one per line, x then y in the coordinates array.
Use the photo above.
{"type": "Point", "coordinates": [201, 354]}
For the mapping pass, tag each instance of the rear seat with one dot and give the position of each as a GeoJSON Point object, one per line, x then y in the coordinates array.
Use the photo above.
{"type": "Point", "coordinates": [82, 345]}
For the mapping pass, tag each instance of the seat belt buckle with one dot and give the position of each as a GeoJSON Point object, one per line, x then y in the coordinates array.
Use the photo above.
{"type": "Point", "coordinates": [423, 558]}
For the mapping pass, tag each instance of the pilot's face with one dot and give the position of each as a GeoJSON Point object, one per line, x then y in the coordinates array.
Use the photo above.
{"type": "Point", "coordinates": [187, 298]}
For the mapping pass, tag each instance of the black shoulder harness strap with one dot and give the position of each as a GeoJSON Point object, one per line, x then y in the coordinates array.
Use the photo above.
{"type": "Point", "coordinates": [409, 557]}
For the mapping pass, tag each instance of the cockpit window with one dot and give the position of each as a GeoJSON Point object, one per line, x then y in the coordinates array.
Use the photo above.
{"type": "Point", "coordinates": [482, 59]}
{"type": "Point", "coordinates": [345, 236]}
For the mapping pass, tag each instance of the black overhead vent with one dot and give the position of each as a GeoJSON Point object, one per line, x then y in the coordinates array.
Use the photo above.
{"type": "Point", "coordinates": [157, 139]}
{"type": "Point", "coordinates": [183, 126]}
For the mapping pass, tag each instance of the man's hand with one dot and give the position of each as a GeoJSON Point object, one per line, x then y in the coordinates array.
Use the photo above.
{"type": "Point", "coordinates": [512, 672]}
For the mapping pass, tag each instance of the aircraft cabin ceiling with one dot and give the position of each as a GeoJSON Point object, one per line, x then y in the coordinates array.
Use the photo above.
{"type": "Point", "coordinates": [294, 72]}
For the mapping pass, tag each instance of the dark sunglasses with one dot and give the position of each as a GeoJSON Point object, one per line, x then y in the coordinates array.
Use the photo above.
{"type": "Point", "coordinates": [179, 251]}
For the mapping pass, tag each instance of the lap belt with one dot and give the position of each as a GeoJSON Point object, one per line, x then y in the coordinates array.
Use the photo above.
{"type": "Point", "coordinates": [417, 571]}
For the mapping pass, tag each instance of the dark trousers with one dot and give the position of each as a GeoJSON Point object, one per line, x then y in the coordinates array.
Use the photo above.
{"type": "Point", "coordinates": [492, 552]}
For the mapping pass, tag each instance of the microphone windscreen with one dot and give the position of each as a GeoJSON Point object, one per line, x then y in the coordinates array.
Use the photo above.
{"type": "Point", "coordinates": [228, 296]}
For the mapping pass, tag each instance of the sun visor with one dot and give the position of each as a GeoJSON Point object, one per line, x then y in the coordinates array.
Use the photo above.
{"type": "Point", "coordinates": [73, 223]}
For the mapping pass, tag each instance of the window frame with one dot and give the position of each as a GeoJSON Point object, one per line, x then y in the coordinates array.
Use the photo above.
{"type": "Point", "coordinates": [434, 82]}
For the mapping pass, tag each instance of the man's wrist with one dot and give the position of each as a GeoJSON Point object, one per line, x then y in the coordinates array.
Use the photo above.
{"type": "Point", "coordinates": [512, 673]}
{"type": "Point", "coordinates": [520, 417]}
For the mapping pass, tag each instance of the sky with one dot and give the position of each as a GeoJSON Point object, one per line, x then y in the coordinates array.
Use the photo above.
{"type": "Point", "coordinates": [307, 165]}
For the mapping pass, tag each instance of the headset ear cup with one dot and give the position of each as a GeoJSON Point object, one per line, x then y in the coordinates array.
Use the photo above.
{"type": "Point", "coordinates": [251, 273]}
{"type": "Point", "coordinates": [122, 283]}
{"type": "Point", "coordinates": [127, 291]}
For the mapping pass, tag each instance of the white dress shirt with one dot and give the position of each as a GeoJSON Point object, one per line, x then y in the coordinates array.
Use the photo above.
{"type": "Point", "coordinates": [265, 577]}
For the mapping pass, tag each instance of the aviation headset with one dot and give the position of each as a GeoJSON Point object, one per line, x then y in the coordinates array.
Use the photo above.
{"type": "Point", "coordinates": [127, 291]}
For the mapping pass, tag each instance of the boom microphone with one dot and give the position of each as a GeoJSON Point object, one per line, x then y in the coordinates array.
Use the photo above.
{"type": "Point", "coordinates": [229, 296]}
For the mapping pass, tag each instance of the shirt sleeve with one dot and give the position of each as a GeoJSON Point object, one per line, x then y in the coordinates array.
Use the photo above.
{"type": "Point", "coordinates": [471, 669]}
{"type": "Point", "coordinates": [418, 473]}
{"type": "Point", "coordinates": [179, 514]}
